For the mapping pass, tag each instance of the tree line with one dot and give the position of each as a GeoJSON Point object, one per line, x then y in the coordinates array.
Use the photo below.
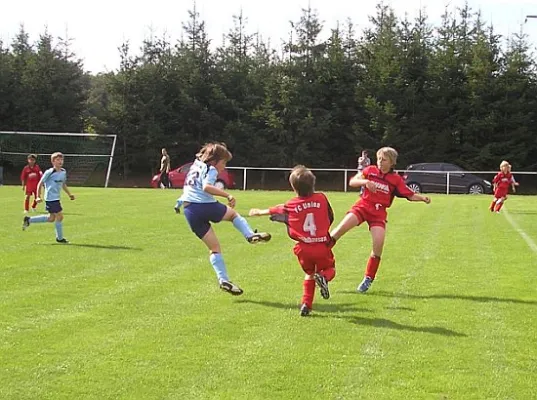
{"type": "Point", "coordinates": [457, 92]}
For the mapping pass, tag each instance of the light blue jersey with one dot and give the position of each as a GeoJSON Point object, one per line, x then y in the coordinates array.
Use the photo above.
{"type": "Point", "coordinates": [53, 181]}
{"type": "Point", "coordinates": [200, 174]}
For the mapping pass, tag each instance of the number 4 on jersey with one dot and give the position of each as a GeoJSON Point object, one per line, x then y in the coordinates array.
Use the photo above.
{"type": "Point", "coordinates": [309, 225]}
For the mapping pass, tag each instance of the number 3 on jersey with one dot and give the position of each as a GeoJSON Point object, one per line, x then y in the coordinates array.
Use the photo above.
{"type": "Point", "coordinates": [309, 225]}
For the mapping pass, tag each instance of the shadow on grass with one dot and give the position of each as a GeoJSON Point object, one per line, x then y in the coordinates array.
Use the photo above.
{"type": "Point", "coordinates": [387, 324]}
{"type": "Point", "coordinates": [317, 307]}
{"type": "Point", "coordinates": [97, 246]}
{"type": "Point", "coordinates": [479, 299]}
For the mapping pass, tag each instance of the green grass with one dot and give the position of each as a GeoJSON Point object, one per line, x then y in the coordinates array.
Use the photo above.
{"type": "Point", "coordinates": [131, 310]}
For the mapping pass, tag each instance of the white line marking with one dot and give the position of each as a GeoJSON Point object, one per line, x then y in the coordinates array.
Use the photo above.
{"type": "Point", "coordinates": [524, 235]}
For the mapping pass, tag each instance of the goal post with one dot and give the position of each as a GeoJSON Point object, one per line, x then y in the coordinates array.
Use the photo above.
{"type": "Point", "coordinates": [88, 156]}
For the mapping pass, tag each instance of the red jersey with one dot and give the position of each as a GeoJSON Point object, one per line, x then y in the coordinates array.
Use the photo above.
{"type": "Point", "coordinates": [503, 181]}
{"type": "Point", "coordinates": [388, 186]}
{"type": "Point", "coordinates": [31, 175]}
{"type": "Point", "coordinates": [308, 219]}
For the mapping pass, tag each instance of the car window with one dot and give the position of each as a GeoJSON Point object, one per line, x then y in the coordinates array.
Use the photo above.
{"type": "Point", "coordinates": [431, 167]}
{"type": "Point", "coordinates": [451, 167]}
{"type": "Point", "coordinates": [185, 168]}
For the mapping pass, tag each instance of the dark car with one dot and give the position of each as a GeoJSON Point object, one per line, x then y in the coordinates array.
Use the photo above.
{"type": "Point", "coordinates": [434, 179]}
{"type": "Point", "coordinates": [225, 179]}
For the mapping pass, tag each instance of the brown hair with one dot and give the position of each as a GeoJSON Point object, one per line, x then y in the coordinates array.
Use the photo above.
{"type": "Point", "coordinates": [390, 153]}
{"type": "Point", "coordinates": [214, 152]}
{"type": "Point", "coordinates": [32, 156]}
{"type": "Point", "coordinates": [302, 180]}
{"type": "Point", "coordinates": [55, 156]}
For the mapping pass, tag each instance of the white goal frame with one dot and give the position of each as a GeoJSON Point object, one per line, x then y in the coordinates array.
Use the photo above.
{"type": "Point", "coordinates": [109, 156]}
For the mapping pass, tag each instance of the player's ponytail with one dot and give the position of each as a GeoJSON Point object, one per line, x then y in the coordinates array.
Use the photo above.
{"type": "Point", "coordinates": [214, 152]}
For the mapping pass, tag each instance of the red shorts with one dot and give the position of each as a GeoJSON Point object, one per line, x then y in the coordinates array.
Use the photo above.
{"type": "Point", "coordinates": [314, 257]}
{"type": "Point", "coordinates": [31, 190]}
{"type": "Point", "coordinates": [499, 193]}
{"type": "Point", "coordinates": [373, 215]}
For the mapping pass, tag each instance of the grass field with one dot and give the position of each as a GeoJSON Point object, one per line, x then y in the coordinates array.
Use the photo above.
{"type": "Point", "coordinates": [131, 309]}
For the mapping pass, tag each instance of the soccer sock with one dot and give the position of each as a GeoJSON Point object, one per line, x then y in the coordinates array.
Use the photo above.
{"type": "Point", "coordinates": [217, 261]}
{"type": "Point", "coordinates": [328, 273]}
{"type": "Point", "coordinates": [242, 226]}
{"type": "Point", "coordinates": [499, 206]}
{"type": "Point", "coordinates": [34, 204]}
{"type": "Point", "coordinates": [309, 292]}
{"type": "Point", "coordinates": [492, 205]}
{"type": "Point", "coordinates": [26, 203]}
{"type": "Point", "coordinates": [59, 230]}
{"type": "Point", "coordinates": [179, 203]}
{"type": "Point", "coordinates": [39, 219]}
{"type": "Point", "coordinates": [372, 266]}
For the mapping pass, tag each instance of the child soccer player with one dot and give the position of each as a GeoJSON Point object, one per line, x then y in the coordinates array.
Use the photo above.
{"type": "Point", "coordinates": [501, 182]}
{"type": "Point", "coordinates": [308, 218]}
{"type": "Point", "coordinates": [380, 184]}
{"type": "Point", "coordinates": [53, 181]}
{"type": "Point", "coordinates": [201, 208]}
{"type": "Point", "coordinates": [30, 176]}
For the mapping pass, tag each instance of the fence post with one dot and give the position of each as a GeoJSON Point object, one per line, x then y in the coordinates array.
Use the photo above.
{"type": "Point", "coordinates": [244, 179]}
{"type": "Point", "coordinates": [447, 183]}
{"type": "Point", "coordinates": [345, 182]}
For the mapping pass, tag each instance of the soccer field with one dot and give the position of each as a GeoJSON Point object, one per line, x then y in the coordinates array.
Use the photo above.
{"type": "Point", "coordinates": [131, 308]}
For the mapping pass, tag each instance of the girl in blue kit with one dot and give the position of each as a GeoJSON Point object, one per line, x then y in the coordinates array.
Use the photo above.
{"type": "Point", "coordinates": [201, 208]}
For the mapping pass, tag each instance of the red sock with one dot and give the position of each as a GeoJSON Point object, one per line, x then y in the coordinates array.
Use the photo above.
{"type": "Point", "coordinates": [34, 204]}
{"type": "Point", "coordinates": [372, 266]}
{"type": "Point", "coordinates": [26, 203]}
{"type": "Point", "coordinates": [492, 205]}
{"type": "Point", "coordinates": [499, 206]}
{"type": "Point", "coordinates": [328, 273]}
{"type": "Point", "coordinates": [309, 292]}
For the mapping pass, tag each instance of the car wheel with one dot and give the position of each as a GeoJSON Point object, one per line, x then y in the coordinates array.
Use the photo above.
{"type": "Point", "coordinates": [415, 187]}
{"type": "Point", "coordinates": [476, 188]}
{"type": "Point", "coordinates": [220, 185]}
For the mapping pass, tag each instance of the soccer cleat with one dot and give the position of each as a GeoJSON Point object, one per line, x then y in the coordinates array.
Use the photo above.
{"type": "Point", "coordinates": [64, 240]}
{"type": "Point", "coordinates": [304, 310]}
{"type": "Point", "coordinates": [34, 210]}
{"type": "Point", "coordinates": [231, 288]}
{"type": "Point", "coordinates": [177, 210]}
{"type": "Point", "coordinates": [25, 223]}
{"type": "Point", "coordinates": [323, 285]}
{"type": "Point", "coordinates": [25, 211]}
{"type": "Point", "coordinates": [365, 285]}
{"type": "Point", "coordinates": [259, 237]}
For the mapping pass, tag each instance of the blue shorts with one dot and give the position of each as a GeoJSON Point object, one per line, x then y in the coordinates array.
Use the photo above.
{"type": "Point", "coordinates": [200, 216]}
{"type": "Point", "coordinates": [53, 207]}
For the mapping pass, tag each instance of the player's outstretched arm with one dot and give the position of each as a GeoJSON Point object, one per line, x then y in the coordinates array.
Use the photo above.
{"type": "Point", "coordinates": [419, 197]}
{"type": "Point", "coordinates": [257, 212]}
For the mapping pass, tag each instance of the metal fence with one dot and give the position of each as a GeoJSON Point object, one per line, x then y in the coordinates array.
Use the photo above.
{"type": "Point", "coordinates": [333, 179]}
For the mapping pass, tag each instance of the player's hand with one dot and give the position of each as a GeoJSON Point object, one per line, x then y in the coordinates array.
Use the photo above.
{"type": "Point", "coordinates": [231, 201]}
{"type": "Point", "coordinates": [516, 183]}
{"type": "Point", "coordinates": [427, 200]}
{"type": "Point", "coordinates": [38, 200]}
{"type": "Point", "coordinates": [23, 188]}
{"type": "Point", "coordinates": [72, 196]}
{"type": "Point", "coordinates": [254, 212]}
{"type": "Point", "coordinates": [371, 186]}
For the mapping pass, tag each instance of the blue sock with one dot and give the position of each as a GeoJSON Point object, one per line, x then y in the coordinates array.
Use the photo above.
{"type": "Point", "coordinates": [59, 230]}
{"type": "Point", "coordinates": [242, 226]}
{"type": "Point", "coordinates": [217, 261]}
{"type": "Point", "coordinates": [38, 219]}
{"type": "Point", "coordinates": [179, 203]}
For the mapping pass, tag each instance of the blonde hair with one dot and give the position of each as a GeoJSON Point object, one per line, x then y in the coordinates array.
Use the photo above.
{"type": "Point", "coordinates": [504, 164]}
{"type": "Point", "coordinates": [214, 152]}
{"type": "Point", "coordinates": [390, 153]}
{"type": "Point", "coordinates": [302, 180]}
{"type": "Point", "coordinates": [55, 156]}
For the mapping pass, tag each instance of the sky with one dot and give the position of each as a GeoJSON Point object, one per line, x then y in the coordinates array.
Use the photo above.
{"type": "Point", "coordinates": [99, 27]}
